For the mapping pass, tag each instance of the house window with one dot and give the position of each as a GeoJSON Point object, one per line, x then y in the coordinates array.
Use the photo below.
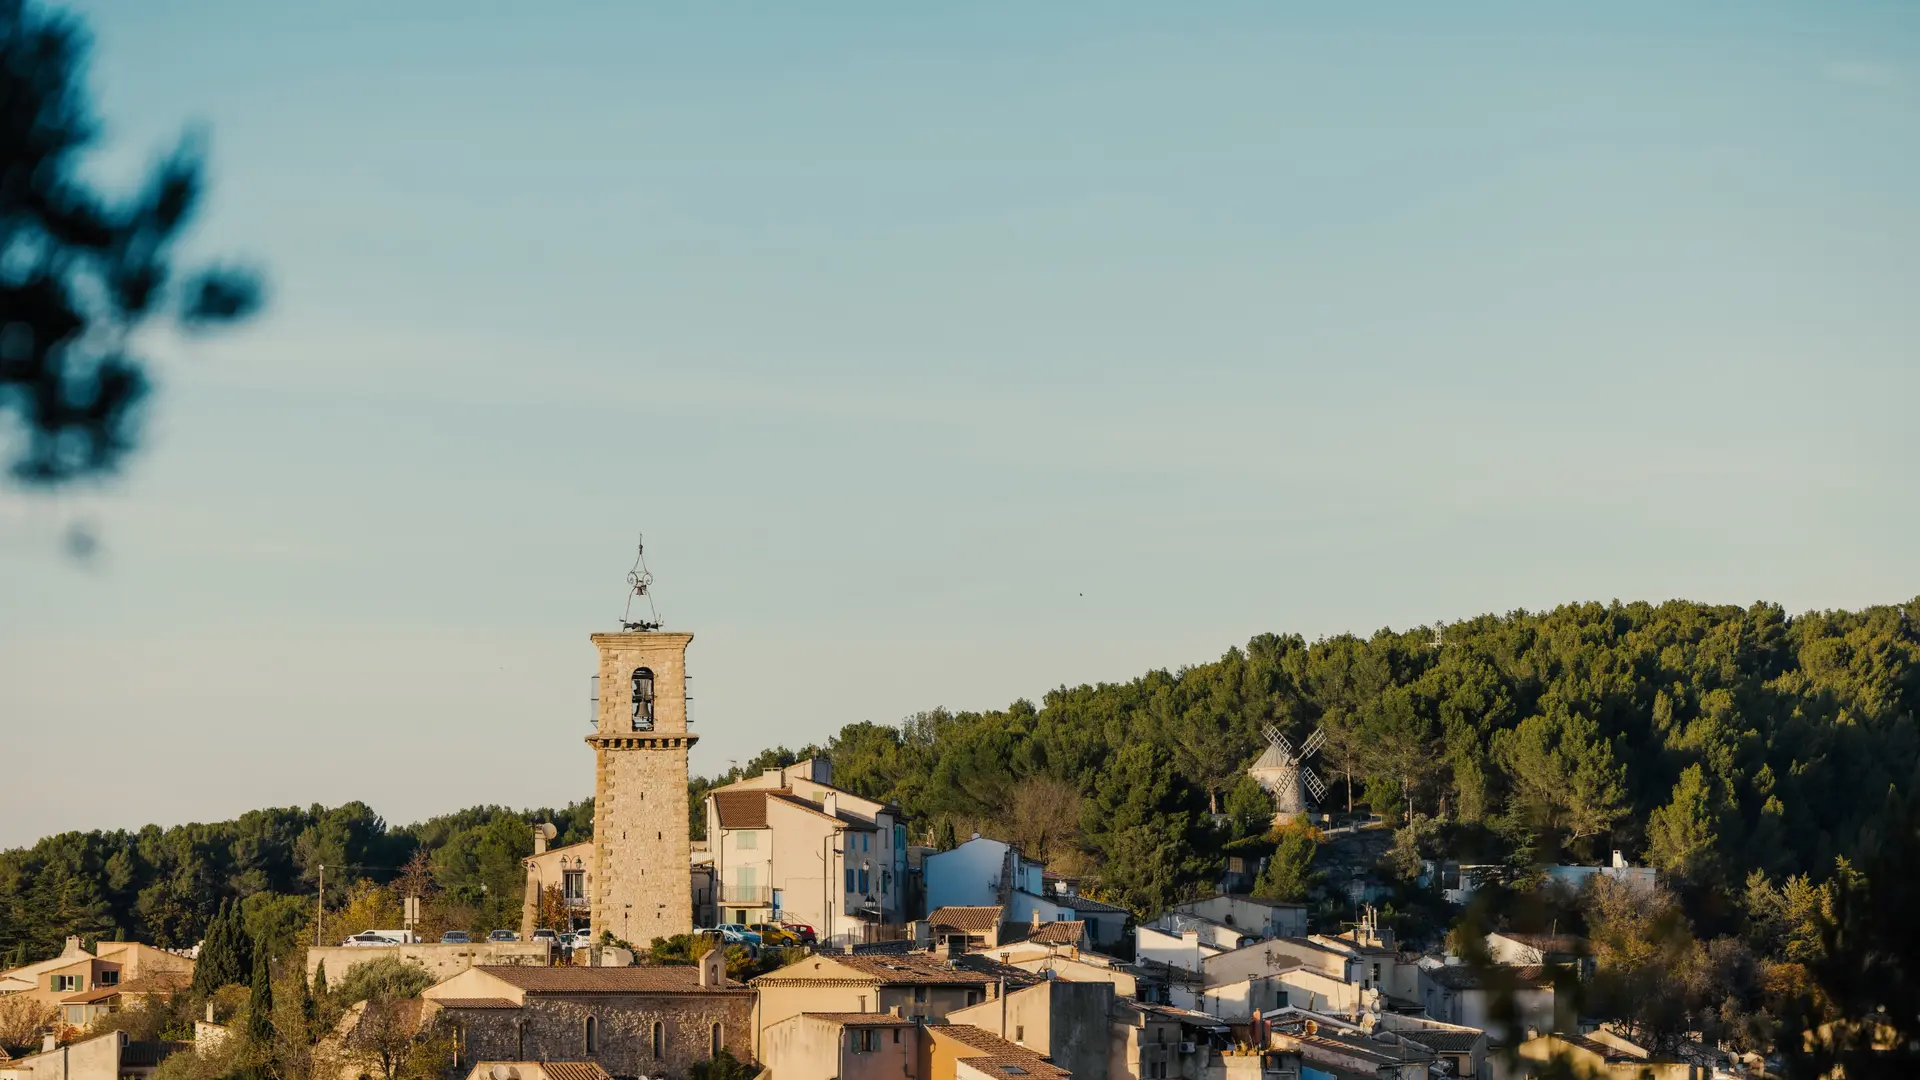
{"type": "Point", "coordinates": [659, 1039]}
{"type": "Point", "coordinates": [863, 841]}
{"type": "Point", "coordinates": [573, 884]}
{"type": "Point", "coordinates": [66, 982]}
{"type": "Point", "coordinates": [863, 880]}
{"type": "Point", "coordinates": [1019, 1033]}
{"type": "Point", "coordinates": [593, 1034]}
{"type": "Point", "coordinates": [885, 877]}
{"type": "Point", "coordinates": [864, 1040]}
{"type": "Point", "coordinates": [643, 699]}
{"type": "Point", "coordinates": [919, 995]}
{"type": "Point", "coordinates": [713, 1042]}
{"type": "Point", "coordinates": [748, 841]}
{"type": "Point", "coordinates": [973, 997]}
{"type": "Point", "coordinates": [107, 978]}
{"type": "Point", "coordinates": [849, 879]}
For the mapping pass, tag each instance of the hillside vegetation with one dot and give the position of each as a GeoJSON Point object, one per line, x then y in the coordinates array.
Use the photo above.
{"type": "Point", "coordinates": [1714, 742]}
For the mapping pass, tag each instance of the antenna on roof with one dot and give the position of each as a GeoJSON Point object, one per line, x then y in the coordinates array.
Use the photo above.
{"type": "Point", "coordinates": [641, 582]}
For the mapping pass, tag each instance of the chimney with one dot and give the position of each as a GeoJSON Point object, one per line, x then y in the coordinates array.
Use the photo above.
{"type": "Point", "coordinates": [830, 803]}
{"type": "Point", "coordinates": [52, 1042]}
{"type": "Point", "coordinates": [1619, 859]}
{"type": "Point", "coordinates": [956, 946]}
{"type": "Point", "coordinates": [74, 948]}
{"type": "Point", "coordinates": [1036, 918]}
{"type": "Point", "coordinates": [209, 1012]}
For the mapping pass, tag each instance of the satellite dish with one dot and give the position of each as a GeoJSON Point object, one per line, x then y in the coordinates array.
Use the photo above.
{"type": "Point", "coordinates": [502, 1072]}
{"type": "Point", "coordinates": [544, 831]}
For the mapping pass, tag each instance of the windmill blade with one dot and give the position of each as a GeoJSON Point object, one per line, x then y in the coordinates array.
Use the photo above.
{"type": "Point", "coordinates": [1272, 733]}
{"type": "Point", "coordinates": [1313, 784]}
{"type": "Point", "coordinates": [1314, 742]}
{"type": "Point", "coordinates": [1283, 787]}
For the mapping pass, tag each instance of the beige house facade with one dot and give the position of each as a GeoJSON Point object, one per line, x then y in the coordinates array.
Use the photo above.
{"type": "Point", "coordinates": [788, 846]}
{"type": "Point", "coordinates": [80, 971]}
{"type": "Point", "coordinates": [913, 985]}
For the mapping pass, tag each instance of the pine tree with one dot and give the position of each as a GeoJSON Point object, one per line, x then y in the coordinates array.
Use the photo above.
{"type": "Point", "coordinates": [943, 836]}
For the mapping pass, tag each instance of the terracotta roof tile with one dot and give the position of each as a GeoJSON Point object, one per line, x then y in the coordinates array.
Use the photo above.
{"type": "Point", "coordinates": [605, 980]}
{"type": "Point", "coordinates": [1061, 932]}
{"type": "Point", "coordinates": [741, 809]}
{"type": "Point", "coordinates": [1462, 977]}
{"type": "Point", "coordinates": [845, 819]}
{"type": "Point", "coordinates": [896, 969]}
{"type": "Point", "coordinates": [985, 919]}
{"type": "Point", "coordinates": [996, 1056]}
{"type": "Point", "coordinates": [574, 1070]}
{"type": "Point", "coordinates": [475, 1003]}
{"type": "Point", "coordinates": [1442, 1039]}
{"type": "Point", "coordinates": [864, 1019]}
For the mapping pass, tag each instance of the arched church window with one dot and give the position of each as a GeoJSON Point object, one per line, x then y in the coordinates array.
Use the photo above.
{"type": "Point", "coordinates": [643, 699]}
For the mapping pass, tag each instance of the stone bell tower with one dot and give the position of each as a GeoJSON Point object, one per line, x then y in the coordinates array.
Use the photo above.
{"type": "Point", "coordinates": [643, 888]}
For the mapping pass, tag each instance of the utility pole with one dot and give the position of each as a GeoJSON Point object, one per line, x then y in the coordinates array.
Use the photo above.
{"type": "Point", "coordinates": [320, 906]}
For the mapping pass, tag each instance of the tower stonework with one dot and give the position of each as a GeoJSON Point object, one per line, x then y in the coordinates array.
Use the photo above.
{"type": "Point", "coordinates": [643, 888]}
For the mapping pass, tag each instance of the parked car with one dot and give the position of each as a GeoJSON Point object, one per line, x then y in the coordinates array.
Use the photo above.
{"type": "Point", "coordinates": [456, 937]}
{"type": "Point", "coordinates": [735, 934]}
{"type": "Point", "coordinates": [802, 931]}
{"type": "Point", "coordinates": [775, 937]}
{"type": "Point", "coordinates": [369, 937]}
{"type": "Point", "coordinates": [503, 935]}
{"type": "Point", "coordinates": [546, 935]}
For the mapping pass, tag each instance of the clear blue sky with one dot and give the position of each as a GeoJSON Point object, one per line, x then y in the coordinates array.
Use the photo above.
{"type": "Point", "coordinates": [947, 354]}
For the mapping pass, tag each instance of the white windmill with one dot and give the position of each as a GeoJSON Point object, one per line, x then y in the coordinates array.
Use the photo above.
{"type": "Point", "coordinates": [1283, 771]}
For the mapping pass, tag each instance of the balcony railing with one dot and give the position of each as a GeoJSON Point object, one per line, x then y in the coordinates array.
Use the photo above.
{"type": "Point", "coordinates": [760, 895]}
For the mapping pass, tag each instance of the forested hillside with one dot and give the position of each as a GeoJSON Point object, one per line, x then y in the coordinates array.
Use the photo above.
{"type": "Point", "coordinates": [1709, 741]}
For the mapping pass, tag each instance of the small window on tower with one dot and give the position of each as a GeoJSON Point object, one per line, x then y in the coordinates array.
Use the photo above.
{"type": "Point", "coordinates": [643, 699]}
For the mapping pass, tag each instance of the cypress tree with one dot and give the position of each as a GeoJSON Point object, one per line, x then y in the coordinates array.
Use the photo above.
{"type": "Point", "coordinates": [309, 1011]}
{"type": "Point", "coordinates": [243, 944]}
{"type": "Point", "coordinates": [218, 964]}
{"type": "Point", "coordinates": [260, 1010]}
{"type": "Point", "coordinates": [320, 981]}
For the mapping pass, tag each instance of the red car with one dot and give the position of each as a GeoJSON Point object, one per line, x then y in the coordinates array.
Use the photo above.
{"type": "Point", "coordinates": [801, 930]}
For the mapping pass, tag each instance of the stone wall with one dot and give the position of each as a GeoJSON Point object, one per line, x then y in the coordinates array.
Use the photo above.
{"type": "Point", "coordinates": [441, 961]}
{"type": "Point", "coordinates": [553, 1028]}
{"type": "Point", "coordinates": [643, 885]}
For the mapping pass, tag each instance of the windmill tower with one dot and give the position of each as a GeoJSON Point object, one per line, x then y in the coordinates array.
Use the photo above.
{"type": "Point", "coordinates": [1282, 770]}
